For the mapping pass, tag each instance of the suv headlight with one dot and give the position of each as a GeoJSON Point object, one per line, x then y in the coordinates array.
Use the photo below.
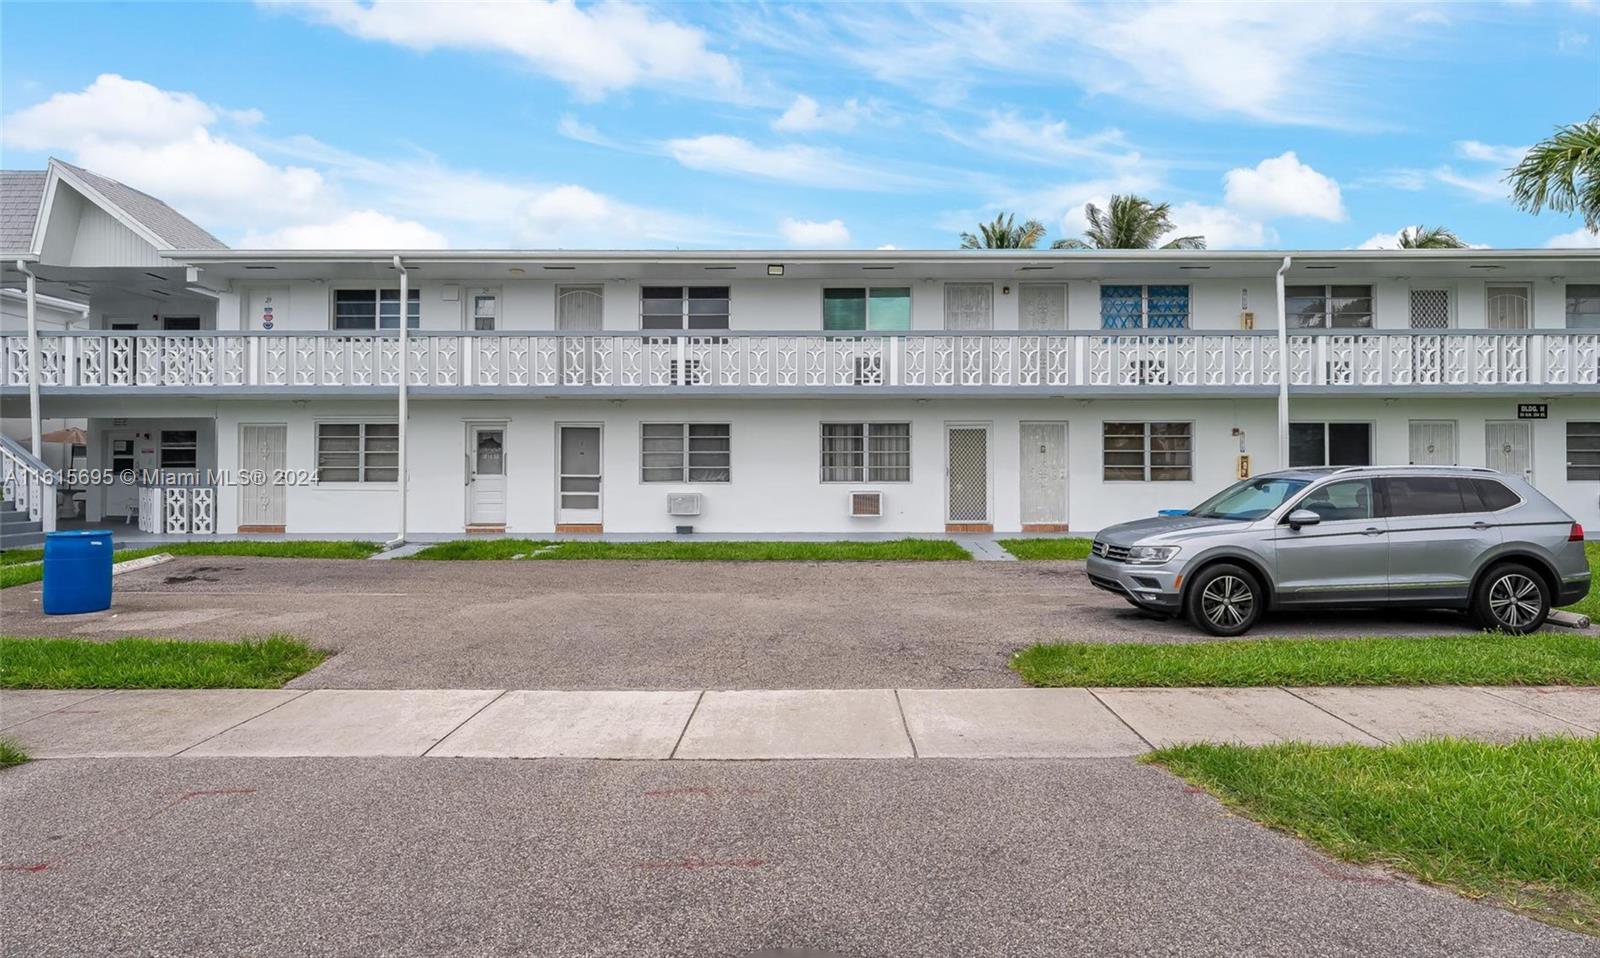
{"type": "Point", "coordinates": [1152, 555]}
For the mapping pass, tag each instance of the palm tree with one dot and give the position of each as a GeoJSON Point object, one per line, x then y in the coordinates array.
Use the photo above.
{"type": "Point", "coordinates": [1436, 237]}
{"type": "Point", "coordinates": [1562, 173]}
{"type": "Point", "coordinates": [1002, 234]}
{"type": "Point", "coordinates": [1130, 222]}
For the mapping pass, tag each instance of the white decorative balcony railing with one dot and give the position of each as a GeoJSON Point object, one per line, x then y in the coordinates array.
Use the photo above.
{"type": "Point", "coordinates": [178, 509]}
{"type": "Point", "coordinates": [759, 361]}
{"type": "Point", "coordinates": [29, 484]}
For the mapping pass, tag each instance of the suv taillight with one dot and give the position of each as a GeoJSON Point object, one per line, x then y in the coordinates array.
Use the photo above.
{"type": "Point", "coordinates": [1576, 535]}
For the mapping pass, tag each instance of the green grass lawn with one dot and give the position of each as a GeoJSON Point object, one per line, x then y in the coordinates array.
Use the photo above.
{"type": "Point", "coordinates": [1518, 824]}
{"type": "Point", "coordinates": [21, 566]}
{"type": "Point", "coordinates": [1555, 658]}
{"type": "Point", "coordinates": [11, 753]}
{"type": "Point", "coordinates": [153, 663]}
{"type": "Point", "coordinates": [1047, 548]}
{"type": "Point", "coordinates": [1589, 605]}
{"type": "Point", "coordinates": [897, 549]}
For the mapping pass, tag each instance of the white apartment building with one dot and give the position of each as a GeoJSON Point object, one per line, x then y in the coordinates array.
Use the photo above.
{"type": "Point", "coordinates": [540, 392]}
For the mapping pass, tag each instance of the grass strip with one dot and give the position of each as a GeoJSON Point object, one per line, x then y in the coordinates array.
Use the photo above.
{"type": "Point", "coordinates": [16, 570]}
{"type": "Point", "coordinates": [1516, 823]}
{"type": "Point", "coordinates": [1554, 658]}
{"type": "Point", "coordinates": [265, 663]}
{"type": "Point", "coordinates": [739, 551]}
{"type": "Point", "coordinates": [1026, 549]}
{"type": "Point", "coordinates": [11, 753]}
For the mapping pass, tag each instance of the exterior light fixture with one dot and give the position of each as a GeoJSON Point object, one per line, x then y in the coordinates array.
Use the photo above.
{"type": "Point", "coordinates": [774, 269]}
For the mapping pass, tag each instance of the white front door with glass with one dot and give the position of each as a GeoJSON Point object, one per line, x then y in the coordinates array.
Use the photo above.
{"type": "Point", "coordinates": [486, 476]}
{"type": "Point", "coordinates": [578, 475]}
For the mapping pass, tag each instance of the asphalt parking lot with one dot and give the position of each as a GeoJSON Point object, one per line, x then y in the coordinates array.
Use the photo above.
{"type": "Point", "coordinates": [565, 858]}
{"type": "Point", "coordinates": [660, 625]}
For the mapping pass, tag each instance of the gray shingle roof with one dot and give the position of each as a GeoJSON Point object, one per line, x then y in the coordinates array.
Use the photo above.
{"type": "Point", "coordinates": [20, 191]}
{"type": "Point", "coordinates": [164, 221]}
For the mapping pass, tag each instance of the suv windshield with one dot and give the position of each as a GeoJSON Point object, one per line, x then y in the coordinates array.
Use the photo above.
{"type": "Point", "coordinates": [1249, 499]}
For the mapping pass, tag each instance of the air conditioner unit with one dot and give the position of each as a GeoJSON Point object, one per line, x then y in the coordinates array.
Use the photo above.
{"type": "Point", "coordinates": [866, 505]}
{"type": "Point", "coordinates": [683, 503]}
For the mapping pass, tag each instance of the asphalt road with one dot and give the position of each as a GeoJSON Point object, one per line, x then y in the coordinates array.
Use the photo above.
{"type": "Point", "coordinates": [566, 858]}
{"type": "Point", "coordinates": [659, 625]}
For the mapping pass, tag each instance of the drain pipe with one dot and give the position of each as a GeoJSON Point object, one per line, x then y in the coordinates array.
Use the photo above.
{"type": "Point", "coordinates": [33, 361]}
{"type": "Point", "coordinates": [405, 381]}
{"type": "Point", "coordinates": [1283, 370]}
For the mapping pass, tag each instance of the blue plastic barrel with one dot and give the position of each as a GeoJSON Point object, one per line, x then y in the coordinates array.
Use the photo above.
{"type": "Point", "coordinates": [77, 572]}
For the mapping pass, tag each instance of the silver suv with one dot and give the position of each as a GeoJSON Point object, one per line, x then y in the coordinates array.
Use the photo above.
{"type": "Point", "coordinates": [1415, 536]}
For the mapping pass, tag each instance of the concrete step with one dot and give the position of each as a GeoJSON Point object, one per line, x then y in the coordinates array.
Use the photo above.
{"type": "Point", "coordinates": [17, 522]}
{"type": "Point", "coordinates": [21, 540]}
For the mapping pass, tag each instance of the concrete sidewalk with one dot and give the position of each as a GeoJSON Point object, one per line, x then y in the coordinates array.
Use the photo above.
{"type": "Point", "coordinates": [765, 724]}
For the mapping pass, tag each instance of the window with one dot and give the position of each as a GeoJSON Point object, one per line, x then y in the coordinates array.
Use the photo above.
{"type": "Point", "coordinates": [684, 307]}
{"type": "Point", "coordinates": [1583, 306]}
{"type": "Point", "coordinates": [1328, 307]}
{"type": "Point", "coordinates": [1506, 307]}
{"type": "Point", "coordinates": [1583, 451]}
{"type": "Point", "coordinates": [685, 452]}
{"type": "Point", "coordinates": [1346, 499]}
{"type": "Point", "coordinates": [358, 452]}
{"type": "Point", "coordinates": [375, 309]}
{"type": "Point", "coordinates": [1427, 496]}
{"type": "Point", "coordinates": [179, 448]}
{"type": "Point", "coordinates": [866, 452]}
{"type": "Point", "coordinates": [857, 308]}
{"type": "Point", "coordinates": [1494, 496]}
{"type": "Point", "coordinates": [1249, 499]}
{"type": "Point", "coordinates": [1148, 451]}
{"type": "Point", "coordinates": [485, 310]}
{"type": "Point", "coordinates": [1144, 307]}
{"type": "Point", "coordinates": [1330, 444]}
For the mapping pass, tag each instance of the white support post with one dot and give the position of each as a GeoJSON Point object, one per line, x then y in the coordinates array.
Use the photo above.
{"type": "Point", "coordinates": [405, 384]}
{"type": "Point", "coordinates": [36, 443]}
{"type": "Point", "coordinates": [1283, 370]}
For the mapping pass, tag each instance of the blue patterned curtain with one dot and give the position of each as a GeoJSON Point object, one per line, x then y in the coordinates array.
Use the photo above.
{"type": "Point", "coordinates": [1121, 307]}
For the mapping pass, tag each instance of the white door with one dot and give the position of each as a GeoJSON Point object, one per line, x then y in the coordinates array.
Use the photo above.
{"type": "Point", "coordinates": [1042, 306]}
{"type": "Point", "coordinates": [486, 475]}
{"type": "Point", "coordinates": [968, 306]}
{"type": "Point", "coordinates": [1433, 442]}
{"type": "Point", "coordinates": [1044, 473]}
{"type": "Point", "coordinates": [1509, 447]}
{"type": "Point", "coordinates": [263, 456]}
{"type": "Point", "coordinates": [968, 473]}
{"type": "Point", "coordinates": [1506, 306]}
{"type": "Point", "coordinates": [579, 308]}
{"type": "Point", "coordinates": [122, 455]}
{"type": "Point", "coordinates": [578, 477]}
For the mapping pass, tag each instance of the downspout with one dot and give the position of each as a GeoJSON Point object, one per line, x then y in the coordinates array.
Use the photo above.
{"type": "Point", "coordinates": [1283, 370]}
{"type": "Point", "coordinates": [33, 361]}
{"type": "Point", "coordinates": [405, 377]}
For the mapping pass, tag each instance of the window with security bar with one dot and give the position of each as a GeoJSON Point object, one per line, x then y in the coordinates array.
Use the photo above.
{"type": "Point", "coordinates": [685, 452]}
{"type": "Point", "coordinates": [1430, 309]}
{"type": "Point", "coordinates": [1328, 307]}
{"type": "Point", "coordinates": [1583, 451]}
{"type": "Point", "coordinates": [1148, 451]}
{"type": "Point", "coordinates": [179, 448]}
{"type": "Point", "coordinates": [1144, 307]}
{"type": "Point", "coordinates": [866, 452]}
{"type": "Point", "coordinates": [358, 452]}
{"type": "Point", "coordinates": [683, 307]}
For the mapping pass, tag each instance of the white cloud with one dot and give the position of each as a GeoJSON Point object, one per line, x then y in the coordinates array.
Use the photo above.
{"type": "Point", "coordinates": [1382, 241]}
{"type": "Point", "coordinates": [361, 229]}
{"type": "Point", "coordinates": [1579, 238]}
{"type": "Point", "coordinates": [1571, 41]}
{"type": "Point", "coordinates": [791, 163]}
{"type": "Point", "coordinates": [111, 108]}
{"type": "Point", "coordinates": [1050, 141]}
{"type": "Point", "coordinates": [1490, 152]}
{"type": "Point", "coordinates": [811, 234]}
{"type": "Point", "coordinates": [1223, 228]}
{"type": "Point", "coordinates": [1284, 186]}
{"type": "Point", "coordinates": [596, 49]}
{"type": "Point", "coordinates": [806, 115]}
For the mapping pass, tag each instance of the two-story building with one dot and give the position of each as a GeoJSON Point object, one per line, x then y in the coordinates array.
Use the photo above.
{"type": "Point", "coordinates": [542, 392]}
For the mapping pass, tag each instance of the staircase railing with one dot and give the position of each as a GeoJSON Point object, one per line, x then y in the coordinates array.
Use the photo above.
{"type": "Point", "coordinates": [30, 485]}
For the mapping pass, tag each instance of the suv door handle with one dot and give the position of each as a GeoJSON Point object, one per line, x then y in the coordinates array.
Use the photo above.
{"type": "Point", "coordinates": [1372, 531]}
{"type": "Point", "coordinates": [1480, 525]}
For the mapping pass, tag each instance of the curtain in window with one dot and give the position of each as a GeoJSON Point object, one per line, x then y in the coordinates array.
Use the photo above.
{"type": "Point", "coordinates": [1121, 307]}
{"type": "Point", "coordinates": [843, 451]}
{"type": "Point", "coordinates": [1168, 307]}
{"type": "Point", "coordinates": [844, 309]}
{"type": "Point", "coordinates": [889, 309]}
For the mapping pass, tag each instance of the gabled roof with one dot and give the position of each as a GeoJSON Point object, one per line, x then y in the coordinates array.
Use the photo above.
{"type": "Point", "coordinates": [20, 194]}
{"type": "Point", "coordinates": [22, 200]}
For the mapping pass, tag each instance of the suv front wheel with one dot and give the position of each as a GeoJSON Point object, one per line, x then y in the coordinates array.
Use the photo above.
{"type": "Point", "coordinates": [1224, 599]}
{"type": "Point", "coordinates": [1512, 598]}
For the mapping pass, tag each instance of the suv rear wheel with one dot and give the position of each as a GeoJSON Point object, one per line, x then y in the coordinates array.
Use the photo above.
{"type": "Point", "coordinates": [1224, 599]}
{"type": "Point", "coordinates": [1512, 598]}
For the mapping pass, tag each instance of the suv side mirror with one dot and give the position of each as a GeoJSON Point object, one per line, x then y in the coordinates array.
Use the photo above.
{"type": "Point", "coordinates": [1302, 517]}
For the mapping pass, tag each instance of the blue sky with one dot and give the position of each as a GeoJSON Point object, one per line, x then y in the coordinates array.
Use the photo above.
{"type": "Point", "coordinates": [801, 125]}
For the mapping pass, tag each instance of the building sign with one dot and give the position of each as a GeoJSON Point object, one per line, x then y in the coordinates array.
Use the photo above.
{"type": "Point", "coordinates": [1533, 410]}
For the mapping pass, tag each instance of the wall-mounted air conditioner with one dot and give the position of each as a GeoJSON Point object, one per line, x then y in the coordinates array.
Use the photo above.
{"type": "Point", "coordinates": [866, 505]}
{"type": "Point", "coordinates": [683, 503]}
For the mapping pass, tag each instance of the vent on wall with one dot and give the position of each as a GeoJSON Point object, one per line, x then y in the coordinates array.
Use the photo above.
{"type": "Point", "coordinates": [866, 505]}
{"type": "Point", "coordinates": [683, 503]}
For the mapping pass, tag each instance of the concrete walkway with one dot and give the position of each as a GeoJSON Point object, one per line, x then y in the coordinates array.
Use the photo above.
{"type": "Point", "coordinates": [764, 724]}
